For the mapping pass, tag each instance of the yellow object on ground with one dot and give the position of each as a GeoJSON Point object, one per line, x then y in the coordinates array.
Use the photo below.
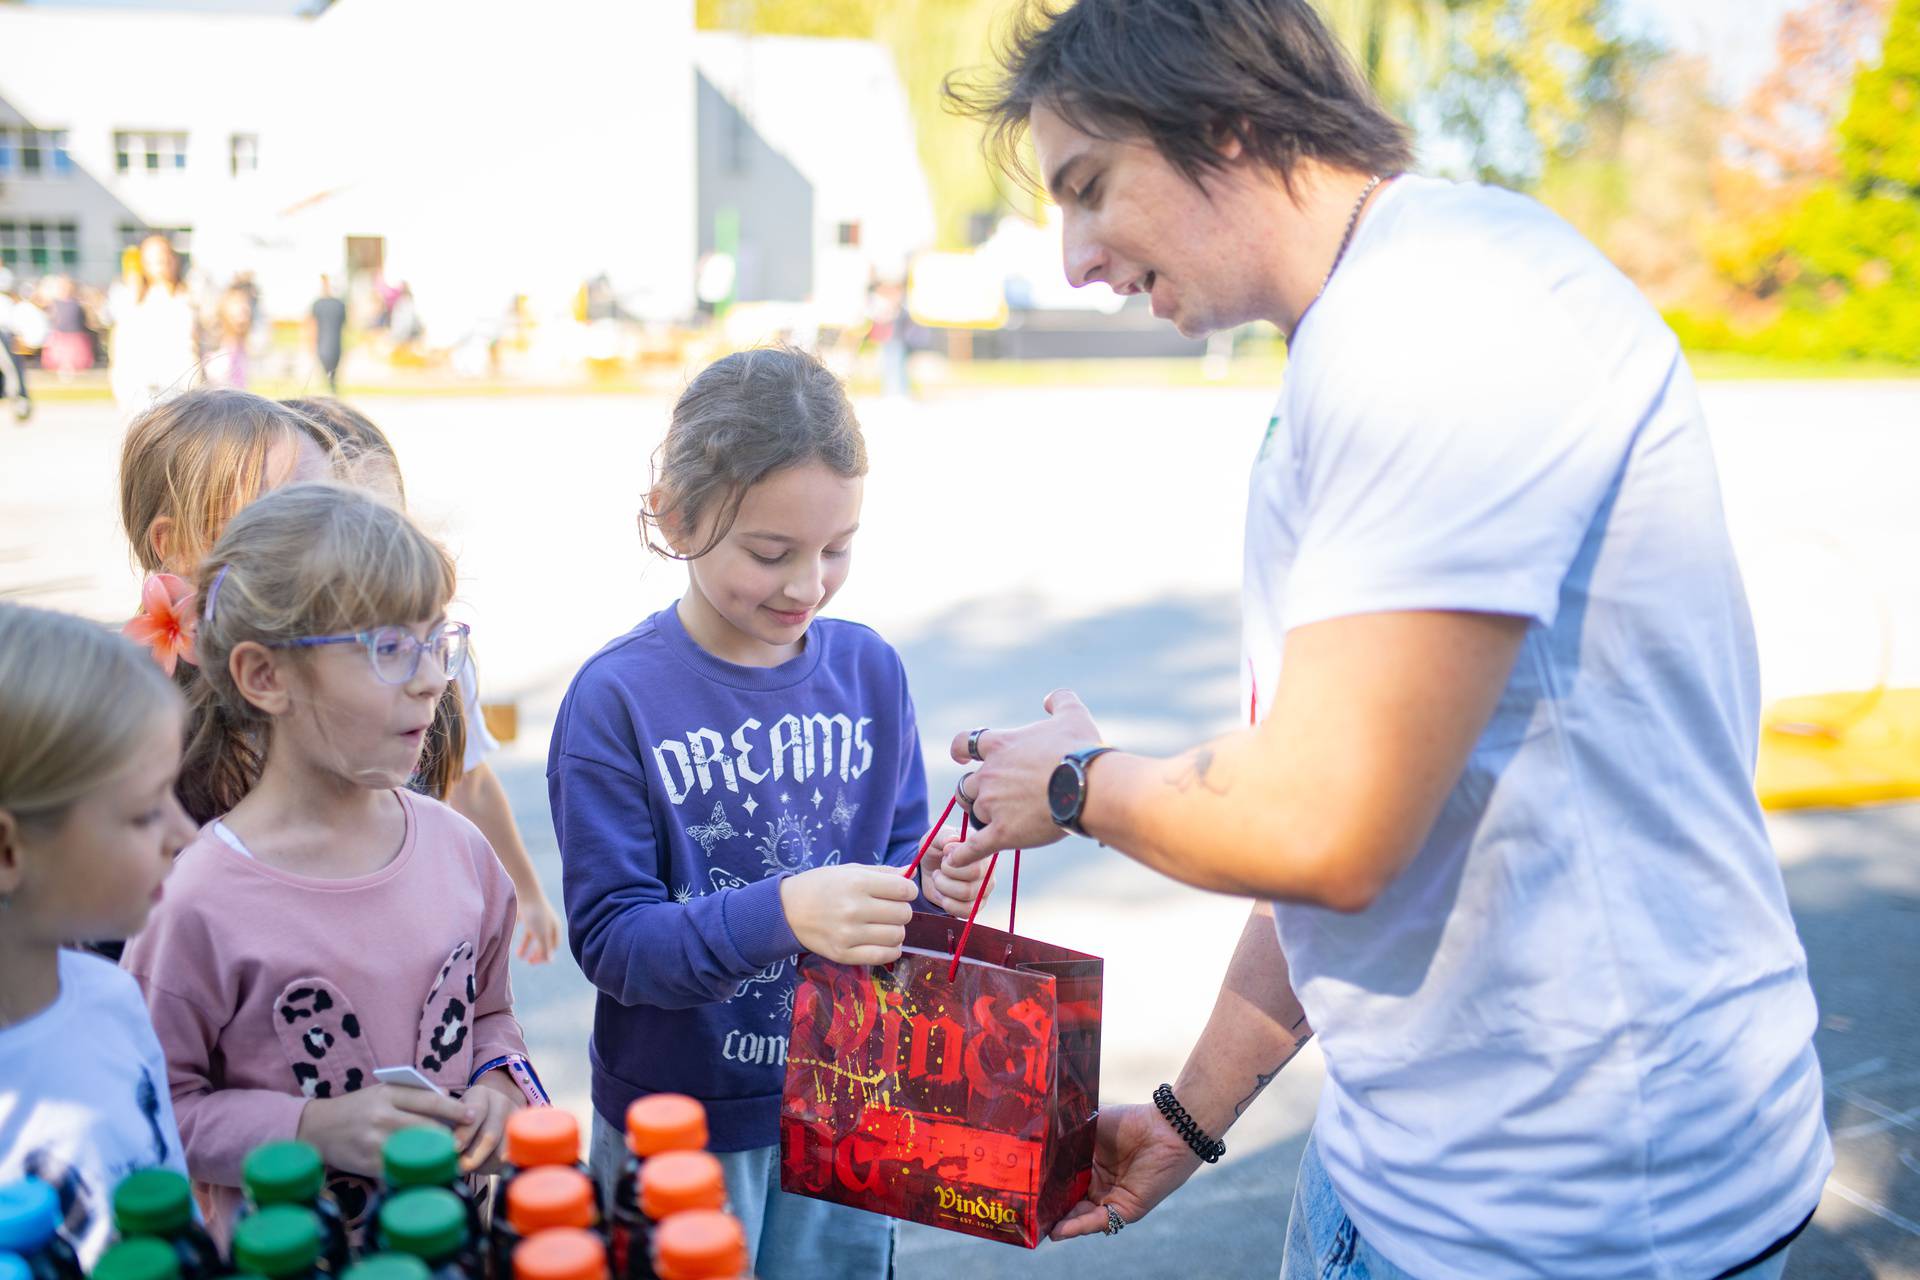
{"type": "Point", "coordinates": [1835, 750]}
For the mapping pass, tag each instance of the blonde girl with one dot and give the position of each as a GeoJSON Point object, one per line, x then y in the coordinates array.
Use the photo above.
{"type": "Point", "coordinates": [331, 922]}
{"type": "Point", "coordinates": [89, 747]}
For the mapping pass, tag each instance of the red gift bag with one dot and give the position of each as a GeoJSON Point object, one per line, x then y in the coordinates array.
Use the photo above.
{"type": "Point", "coordinates": [957, 1087]}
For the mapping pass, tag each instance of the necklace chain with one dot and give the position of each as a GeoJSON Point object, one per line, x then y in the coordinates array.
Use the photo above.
{"type": "Point", "coordinates": [1353, 221]}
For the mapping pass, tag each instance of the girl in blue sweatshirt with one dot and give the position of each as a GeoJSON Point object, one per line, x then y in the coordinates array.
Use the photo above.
{"type": "Point", "coordinates": [732, 781]}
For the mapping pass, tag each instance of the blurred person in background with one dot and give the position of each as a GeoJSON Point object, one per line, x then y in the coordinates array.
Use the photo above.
{"type": "Point", "coordinates": [233, 325]}
{"type": "Point", "coordinates": [156, 349]}
{"type": "Point", "coordinates": [326, 331]}
{"type": "Point", "coordinates": [69, 348]}
{"type": "Point", "coordinates": [13, 374]}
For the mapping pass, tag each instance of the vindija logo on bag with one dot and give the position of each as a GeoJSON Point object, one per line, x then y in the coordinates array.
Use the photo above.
{"type": "Point", "coordinates": [974, 1206]}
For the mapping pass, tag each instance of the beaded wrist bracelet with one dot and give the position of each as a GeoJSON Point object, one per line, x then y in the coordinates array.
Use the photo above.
{"type": "Point", "coordinates": [1207, 1148]}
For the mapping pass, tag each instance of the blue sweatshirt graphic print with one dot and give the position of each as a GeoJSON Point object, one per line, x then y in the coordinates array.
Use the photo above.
{"type": "Point", "coordinates": [684, 790]}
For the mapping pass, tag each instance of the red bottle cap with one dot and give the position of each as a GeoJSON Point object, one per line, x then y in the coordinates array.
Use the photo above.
{"type": "Point", "coordinates": [666, 1122]}
{"type": "Point", "coordinates": [562, 1253]}
{"type": "Point", "coordinates": [699, 1245]}
{"type": "Point", "coordinates": [542, 1135]}
{"type": "Point", "coordinates": [550, 1197]}
{"type": "Point", "coordinates": [676, 1181]}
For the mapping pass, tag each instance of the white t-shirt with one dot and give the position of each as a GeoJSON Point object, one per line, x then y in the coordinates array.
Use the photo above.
{"type": "Point", "coordinates": [1574, 1037]}
{"type": "Point", "coordinates": [480, 743]}
{"type": "Point", "coordinates": [83, 1097]}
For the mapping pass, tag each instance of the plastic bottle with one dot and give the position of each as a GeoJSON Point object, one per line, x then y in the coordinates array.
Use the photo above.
{"type": "Point", "coordinates": [281, 1242]}
{"type": "Point", "coordinates": [426, 1156]}
{"type": "Point", "coordinates": [388, 1266]}
{"type": "Point", "coordinates": [676, 1182]}
{"type": "Point", "coordinates": [14, 1267]}
{"type": "Point", "coordinates": [141, 1258]}
{"type": "Point", "coordinates": [702, 1244]}
{"type": "Point", "coordinates": [292, 1173]}
{"type": "Point", "coordinates": [539, 1200]}
{"type": "Point", "coordinates": [431, 1224]}
{"type": "Point", "coordinates": [159, 1203]}
{"type": "Point", "coordinates": [30, 1227]}
{"type": "Point", "coordinates": [559, 1253]}
{"type": "Point", "coordinates": [657, 1123]}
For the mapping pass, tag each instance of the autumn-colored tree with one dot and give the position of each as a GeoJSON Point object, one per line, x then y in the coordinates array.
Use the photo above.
{"type": "Point", "coordinates": [1821, 243]}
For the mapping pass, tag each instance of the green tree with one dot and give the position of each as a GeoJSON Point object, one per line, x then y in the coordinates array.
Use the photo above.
{"type": "Point", "coordinates": [1831, 270]}
{"type": "Point", "coordinates": [1531, 83]}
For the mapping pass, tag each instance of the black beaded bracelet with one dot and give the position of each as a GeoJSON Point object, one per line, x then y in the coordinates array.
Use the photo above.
{"type": "Point", "coordinates": [1207, 1148]}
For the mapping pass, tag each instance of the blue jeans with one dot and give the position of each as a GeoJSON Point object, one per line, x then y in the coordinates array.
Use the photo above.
{"type": "Point", "coordinates": [1323, 1243]}
{"type": "Point", "coordinates": [789, 1237]}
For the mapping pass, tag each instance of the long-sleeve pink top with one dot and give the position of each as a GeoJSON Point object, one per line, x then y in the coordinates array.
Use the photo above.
{"type": "Point", "coordinates": [268, 989]}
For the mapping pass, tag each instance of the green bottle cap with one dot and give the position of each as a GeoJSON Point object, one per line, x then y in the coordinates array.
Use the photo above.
{"type": "Point", "coordinates": [283, 1173]}
{"type": "Point", "coordinates": [388, 1266]}
{"type": "Point", "coordinates": [281, 1240]}
{"type": "Point", "coordinates": [420, 1157]}
{"type": "Point", "coordinates": [428, 1222]}
{"type": "Point", "coordinates": [141, 1258]}
{"type": "Point", "coordinates": [152, 1202]}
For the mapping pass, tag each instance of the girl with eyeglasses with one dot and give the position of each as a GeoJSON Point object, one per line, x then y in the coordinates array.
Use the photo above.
{"type": "Point", "coordinates": [330, 922]}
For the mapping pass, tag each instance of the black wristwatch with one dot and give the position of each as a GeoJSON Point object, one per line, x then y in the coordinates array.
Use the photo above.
{"type": "Point", "coordinates": [1067, 788]}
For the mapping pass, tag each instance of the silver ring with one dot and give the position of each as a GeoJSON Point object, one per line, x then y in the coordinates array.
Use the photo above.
{"type": "Point", "coordinates": [967, 801]}
{"type": "Point", "coordinates": [973, 745]}
{"type": "Point", "coordinates": [1115, 1223]}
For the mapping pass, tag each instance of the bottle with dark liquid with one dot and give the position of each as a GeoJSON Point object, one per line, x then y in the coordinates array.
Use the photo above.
{"type": "Point", "coordinates": [560, 1253]}
{"type": "Point", "coordinates": [700, 1245]}
{"type": "Point", "coordinates": [141, 1258]}
{"type": "Point", "coordinates": [676, 1182]}
{"type": "Point", "coordinates": [388, 1266]}
{"type": "Point", "coordinates": [540, 1200]}
{"type": "Point", "coordinates": [431, 1224]}
{"type": "Point", "coordinates": [291, 1173]}
{"type": "Point", "coordinates": [427, 1156]}
{"type": "Point", "coordinates": [281, 1242]}
{"type": "Point", "coordinates": [159, 1203]}
{"type": "Point", "coordinates": [30, 1227]}
{"type": "Point", "coordinates": [657, 1123]}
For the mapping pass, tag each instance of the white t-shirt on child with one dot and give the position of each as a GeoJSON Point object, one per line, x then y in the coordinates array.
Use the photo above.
{"type": "Point", "coordinates": [83, 1097]}
{"type": "Point", "coordinates": [1575, 1037]}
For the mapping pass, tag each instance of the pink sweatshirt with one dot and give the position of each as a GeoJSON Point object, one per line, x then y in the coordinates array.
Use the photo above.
{"type": "Point", "coordinates": [268, 988]}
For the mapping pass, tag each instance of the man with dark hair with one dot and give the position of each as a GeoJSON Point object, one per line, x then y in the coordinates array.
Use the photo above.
{"type": "Point", "coordinates": [1497, 804]}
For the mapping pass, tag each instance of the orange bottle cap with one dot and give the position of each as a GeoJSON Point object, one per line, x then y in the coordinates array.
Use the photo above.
{"type": "Point", "coordinates": [699, 1245]}
{"type": "Point", "coordinates": [550, 1197]}
{"type": "Point", "coordinates": [562, 1253]}
{"type": "Point", "coordinates": [542, 1135]}
{"type": "Point", "coordinates": [666, 1122]}
{"type": "Point", "coordinates": [676, 1181]}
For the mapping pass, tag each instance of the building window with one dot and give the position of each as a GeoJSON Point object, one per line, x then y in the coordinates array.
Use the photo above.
{"type": "Point", "coordinates": [40, 246]}
{"type": "Point", "coordinates": [149, 152]}
{"type": "Point", "coordinates": [33, 153]}
{"type": "Point", "coordinates": [244, 153]}
{"type": "Point", "coordinates": [850, 235]}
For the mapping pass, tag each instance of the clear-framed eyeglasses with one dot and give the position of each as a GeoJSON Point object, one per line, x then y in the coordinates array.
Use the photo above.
{"type": "Point", "coordinates": [395, 652]}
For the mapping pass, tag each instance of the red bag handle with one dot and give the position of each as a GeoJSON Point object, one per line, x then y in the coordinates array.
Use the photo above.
{"type": "Point", "coordinates": [1013, 900]}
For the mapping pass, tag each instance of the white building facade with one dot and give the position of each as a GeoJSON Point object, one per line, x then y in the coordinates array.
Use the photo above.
{"type": "Point", "coordinates": [469, 148]}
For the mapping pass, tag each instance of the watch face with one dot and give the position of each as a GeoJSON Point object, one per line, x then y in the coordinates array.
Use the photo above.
{"type": "Point", "coordinates": [1063, 793]}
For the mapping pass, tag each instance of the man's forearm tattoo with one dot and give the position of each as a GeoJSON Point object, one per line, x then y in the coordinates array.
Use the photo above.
{"type": "Point", "coordinates": [1196, 771]}
{"type": "Point", "coordinates": [1301, 1034]}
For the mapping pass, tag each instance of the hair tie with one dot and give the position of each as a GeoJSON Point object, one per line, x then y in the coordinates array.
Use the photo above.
{"type": "Point", "coordinates": [213, 592]}
{"type": "Point", "coordinates": [165, 623]}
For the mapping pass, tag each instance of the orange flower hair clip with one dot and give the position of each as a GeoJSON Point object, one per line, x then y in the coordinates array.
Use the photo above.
{"type": "Point", "coordinates": [165, 623]}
